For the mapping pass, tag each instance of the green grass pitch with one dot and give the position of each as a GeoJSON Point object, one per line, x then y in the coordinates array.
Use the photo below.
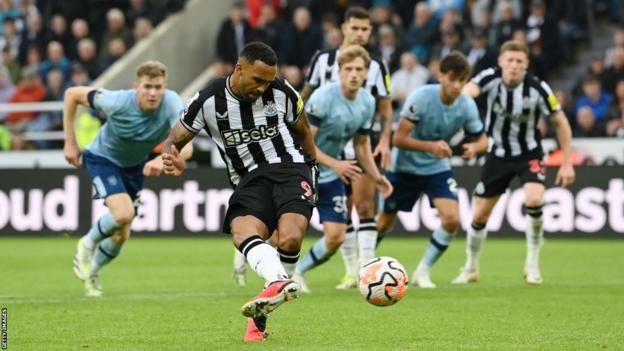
{"type": "Point", "coordinates": [177, 294]}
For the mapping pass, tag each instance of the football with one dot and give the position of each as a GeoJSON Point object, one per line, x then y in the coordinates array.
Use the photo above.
{"type": "Point", "coordinates": [383, 281]}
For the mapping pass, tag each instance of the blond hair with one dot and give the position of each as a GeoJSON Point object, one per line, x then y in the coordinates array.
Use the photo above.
{"type": "Point", "coordinates": [352, 52]}
{"type": "Point", "coordinates": [151, 69]}
{"type": "Point", "coordinates": [515, 45]}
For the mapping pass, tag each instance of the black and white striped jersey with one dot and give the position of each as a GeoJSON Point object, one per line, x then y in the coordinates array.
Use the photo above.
{"type": "Point", "coordinates": [324, 69]}
{"type": "Point", "coordinates": [513, 112]}
{"type": "Point", "coordinates": [248, 134]}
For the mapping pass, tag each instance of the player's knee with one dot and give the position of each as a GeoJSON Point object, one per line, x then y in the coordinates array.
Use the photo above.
{"type": "Point", "coordinates": [365, 209]}
{"type": "Point", "coordinates": [290, 242]}
{"type": "Point", "coordinates": [385, 223]}
{"type": "Point", "coordinates": [534, 201]}
{"type": "Point", "coordinates": [450, 223]}
{"type": "Point", "coordinates": [121, 237]}
{"type": "Point", "coordinates": [124, 218]}
{"type": "Point", "coordinates": [333, 242]}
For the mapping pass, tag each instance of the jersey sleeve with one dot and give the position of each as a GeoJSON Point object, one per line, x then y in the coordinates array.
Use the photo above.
{"type": "Point", "coordinates": [193, 115]}
{"type": "Point", "coordinates": [314, 74]}
{"type": "Point", "coordinates": [413, 106]}
{"type": "Point", "coordinates": [485, 79]}
{"type": "Point", "coordinates": [294, 104]}
{"type": "Point", "coordinates": [176, 108]}
{"type": "Point", "coordinates": [366, 127]}
{"type": "Point", "coordinates": [548, 103]}
{"type": "Point", "coordinates": [108, 101]}
{"type": "Point", "coordinates": [316, 108]}
{"type": "Point", "coordinates": [382, 80]}
{"type": "Point", "coordinates": [472, 125]}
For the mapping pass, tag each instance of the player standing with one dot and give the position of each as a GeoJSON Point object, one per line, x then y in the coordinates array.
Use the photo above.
{"type": "Point", "coordinates": [257, 122]}
{"type": "Point", "coordinates": [339, 112]}
{"type": "Point", "coordinates": [430, 117]}
{"type": "Point", "coordinates": [356, 30]}
{"type": "Point", "coordinates": [137, 121]}
{"type": "Point", "coordinates": [515, 101]}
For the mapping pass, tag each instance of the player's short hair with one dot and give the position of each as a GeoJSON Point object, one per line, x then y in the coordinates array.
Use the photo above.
{"type": "Point", "coordinates": [151, 69]}
{"type": "Point", "coordinates": [456, 64]}
{"type": "Point", "coordinates": [352, 52]}
{"type": "Point", "coordinates": [257, 50]}
{"type": "Point", "coordinates": [515, 45]}
{"type": "Point", "coordinates": [356, 12]}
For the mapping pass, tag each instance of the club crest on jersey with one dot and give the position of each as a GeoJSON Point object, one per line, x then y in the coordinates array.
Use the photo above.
{"type": "Point", "coordinates": [270, 109]}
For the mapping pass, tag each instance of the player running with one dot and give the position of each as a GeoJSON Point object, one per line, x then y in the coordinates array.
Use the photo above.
{"type": "Point", "coordinates": [137, 121]}
{"type": "Point", "coordinates": [258, 123]}
{"type": "Point", "coordinates": [430, 116]}
{"type": "Point", "coordinates": [515, 101]}
{"type": "Point", "coordinates": [338, 112]}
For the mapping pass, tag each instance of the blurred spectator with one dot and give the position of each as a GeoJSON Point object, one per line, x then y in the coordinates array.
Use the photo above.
{"type": "Point", "coordinates": [300, 40]}
{"type": "Point", "coordinates": [33, 34]}
{"type": "Point", "coordinates": [7, 89]}
{"type": "Point", "coordinates": [618, 42]}
{"type": "Point", "coordinates": [7, 10]}
{"type": "Point", "coordinates": [451, 21]}
{"type": "Point", "coordinates": [616, 71]}
{"type": "Point", "coordinates": [55, 59]}
{"type": "Point", "coordinates": [13, 67]}
{"type": "Point", "coordinates": [115, 50]}
{"type": "Point", "coordinates": [33, 56]}
{"type": "Point", "coordinates": [79, 30]}
{"type": "Point", "coordinates": [543, 39]}
{"type": "Point", "coordinates": [586, 124]}
{"type": "Point", "coordinates": [573, 21]}
{"type": "Point", "coordinates": [58, 32]}
{"type": "Point", "coordinates": [381, 15]}
{"type": "Point", "coordinates": [115, 29]}
{"type": "Point", "coordinates": [483, 20]}
{"type": "Point", "coordinates": [138, 9]}
{"type": "Point", "coordinates": [423, 32]}
{"type": "Point", "coordinates": [434, 69]}
{"type": "Point", "coordinates": [87, 57]}
{"type": "Point", "coordinates": [450, 42]}
{"type": "Point", "coordinates": [596, 68]}
{"type": "Point", "coordinates": [234, 33]}
{"type": "Point", "coordinates": [595, 98]}
{"type": "Point", "coordinates": [294, 76]}
{"type": "Point", "coordinates": [10, 37]}
{"type": "Point", "coordinates": [269, 27]}
{"type": "Point", "coordinates": [52, 120]}
{"type": "Point", "coordinates": [333, 39]}
{"type": "Point", "coordinates": [256, 7]}
{"type": "Point", "coordinates": [408, 78]}
{"type": "Point", "coordinates": [616, 111]}
{"type": "Point", "coordinates": [479, 54]}
{"type": "Point", "coordinates": [29, 89]}
{"type": "Point", "coordinates": [142, 28]}
{"type": "Point", "coordinates": [506, 23]}
{"type": "Point", "coordinates": [10, 141]}
{"type": "Point", "coordinates": [388, 48]}
{"type": "Point", "coordinates": [79, 76]}
{"type": "Point", "coordinates": [440, 7]}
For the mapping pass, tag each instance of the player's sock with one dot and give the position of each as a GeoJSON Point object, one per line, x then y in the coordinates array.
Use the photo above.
{"type": "Point", "coordinates": [534, 234]}
{"type": "Point", "coordinates": [439, 242]}
{"type": "Point", "coordinates": [102, 229]}
{"type": "Point", "coordinates": [380, 237]}
{"type": "Point", "coordinates": [289, 260]}
{"type": "Point", "coordinates": [106, 252]}
{"type": "Point", "coordinates": [263, 259]}
{"type": "Point", "coordinates": [240, 262]}
{"type": "Point", "coordinates": [367, 239]}
{"type": "Point", "coordinates": [348, 250]}
{"type": "Point", "coordinates": [474, 244]}
{"type": "Point", "coordinates": [315, 257]}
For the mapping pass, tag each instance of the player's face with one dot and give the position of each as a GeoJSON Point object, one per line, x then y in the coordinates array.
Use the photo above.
{"type": "Point", "coordinates": [150, 92]}
{"type": "Point", "coordinates": [352, 74]}
{"type": "Point", "coordinates": [513, 64]}
{"type": "Point", "coordinates": [451, 85]}
{"type": "Point", "coordinates": [254, 78]}
{"type": "Point", "coordinates": [356, 31]}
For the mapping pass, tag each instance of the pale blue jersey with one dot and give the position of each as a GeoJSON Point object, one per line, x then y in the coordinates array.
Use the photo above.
{"type": "Point", "coordinates": [338, 119]}
{"type": "Point", "coordinates": [434, 121]}
{"type": "Point", "coordinates": [129, 134]}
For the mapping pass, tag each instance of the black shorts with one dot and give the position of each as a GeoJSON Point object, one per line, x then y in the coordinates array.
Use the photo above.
{"type": "Point", "coordinates": [497, 173]}
{"type": "Point", "coordinates": [272, 190]}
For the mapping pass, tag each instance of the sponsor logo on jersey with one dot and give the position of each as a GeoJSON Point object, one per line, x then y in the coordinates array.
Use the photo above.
{"type": "Point", "coordinates": [235, 137]}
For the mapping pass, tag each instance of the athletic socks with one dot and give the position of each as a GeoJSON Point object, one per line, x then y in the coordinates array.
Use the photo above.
{"type": "Point", "coordinates": [263, 259]}
{"type": "Point", "coordinates": [534, 234]}
{"type": "Point", "coordinates": [289, 260]}
{"type": "Point", "coordinates": [105, 252]}
{"type": "Point", "coordinates": [367, 239]}
{"type": "Point", "coordinates": [348, 250]}
{"type": "Point", "coordinates": [102, 229]}
{"type": "Point", "coordinates": [477, 233]}
{"type": "Point", "coordinates": [317, 255]}
{"type": "Point", "coordinates": [440, 240]}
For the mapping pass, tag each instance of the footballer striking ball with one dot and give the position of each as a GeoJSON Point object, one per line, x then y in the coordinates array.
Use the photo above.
{"type": "Point", "coordinates": [383, 281]}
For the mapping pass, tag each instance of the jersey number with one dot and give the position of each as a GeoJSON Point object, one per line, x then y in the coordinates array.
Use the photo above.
{"type": "Point", "coordinates": [340, 203]}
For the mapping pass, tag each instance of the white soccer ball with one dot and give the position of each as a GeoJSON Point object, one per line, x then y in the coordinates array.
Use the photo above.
{"type": "Point", "coordinates": [383, 281]}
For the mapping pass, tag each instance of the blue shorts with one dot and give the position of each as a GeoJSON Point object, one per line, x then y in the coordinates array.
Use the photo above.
{"type": "Point", "coordinates": [408, 187]}
{"type": "Point", "coordinates": [332, 203]}
{"type": "Point", "coordinates": [109, 179]}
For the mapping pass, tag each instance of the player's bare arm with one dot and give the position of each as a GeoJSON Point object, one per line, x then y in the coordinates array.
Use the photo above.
{"type": "Point", "coordinates": [361, 144]}
{"type": "Point", "coordinates": [471, 89]}
{"type": "Point", "coordinates": [471, 150]}
{"type": "Point", "coordinates": [306, 92]}
{"type": "Point", "coordinates": [173, 160]}
{"type": "Point", "coordinates": [302, 130]}
{"type": "Point", "coordinates": [565, 175]}
{"type": "Point", "coordinates": [403, 140]}
{"type": "Point", "coordinates": [346, 169]}
{"type": "Point", "coordinates": [73, 97]}
{"type": "Point", "coordinates": [155, 166]}
{"type": "Point", "coordinates": [384, 106]}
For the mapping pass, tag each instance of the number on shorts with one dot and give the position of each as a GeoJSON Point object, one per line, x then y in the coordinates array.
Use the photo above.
{"type": "Point", "coordinates": [452, 183]}
{"type": "Point", "coordinates": [340, 203]}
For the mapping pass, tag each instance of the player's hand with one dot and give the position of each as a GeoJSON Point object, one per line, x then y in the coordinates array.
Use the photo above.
{"type": "Point", "coordinates": [440, 149]}
{"type": "Point", "coordinates": [470, 151]}
{"type": "Point", "coordinates": [384, 186]}
{"type": "Point", "coordinates": [347, 170]}
{"type": "Point", "coordinates": [383, 149]}
{"type": "Point", "coordinates": [72, 154]}
{"type": "Point", "coordinates": [173, 164]}
{"type": "Point", "coordinates": [565, 176]}
{"type": "Point", "coordinates": [153, 168]}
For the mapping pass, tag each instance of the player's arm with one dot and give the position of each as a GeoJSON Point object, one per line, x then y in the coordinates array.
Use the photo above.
{"type": "Point", "coordinates": [301, 128]}
{"type": "Point", "coordinates": [346, 169]}
{"type": "Point", "coordinates": [403, 140]}
{"type": "Point", "coordinates": [566, 174]}
{"type": "Point", "coordinates": [384, 106]}
{"type": "Point", "coordinates": [178, 139]}
{"type": "Point", "coordinates": [73, 97]}
{"type": "Point", "coordinates": [471, 89]}
{"type": "Point", "coordinates": [472, 149]}
{"type": "Point", "coordinates": [154, 167]}
{"type": "Point", "coordinates": [307, 91]}
{"type": "Point", "coordinates": [361, 144]}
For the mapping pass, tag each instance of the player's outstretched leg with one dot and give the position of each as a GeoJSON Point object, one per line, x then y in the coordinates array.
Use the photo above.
{"type": "Point", "coordinates": [535, 239]}
{"type": "Point", "coordinates": [256, 329]}
{"type": "Point", "coordinates": [470, 272]}
{"type": "Point", "coordinates": [239, 268]}
{"type": "Point", "coordinates": [318, 254]}
{"type": "Point", "coordinates": [105, 227]}
{"type": "Point", "coordinates": [106, 251]}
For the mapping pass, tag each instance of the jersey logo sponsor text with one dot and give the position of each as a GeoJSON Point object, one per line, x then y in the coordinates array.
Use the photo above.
{"type": "Point", "coordinates": [235, 137]}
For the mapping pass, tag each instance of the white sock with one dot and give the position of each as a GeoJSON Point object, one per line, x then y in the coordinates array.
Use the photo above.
{"type": "Point", "coordinates": [240, 262]}
{"type": "Point", "coordinates": [289, 260]}
{"type": "Point", "coordinates": [534, 234]}
{"type": "Point", "coordinates": [348, 250]}
{"type": "Point", "coordinates": [477, 233]}
{"type": "Point", "coordinates": [263, 259]}
{"type": "Point", "coordinates": [367, 239]}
